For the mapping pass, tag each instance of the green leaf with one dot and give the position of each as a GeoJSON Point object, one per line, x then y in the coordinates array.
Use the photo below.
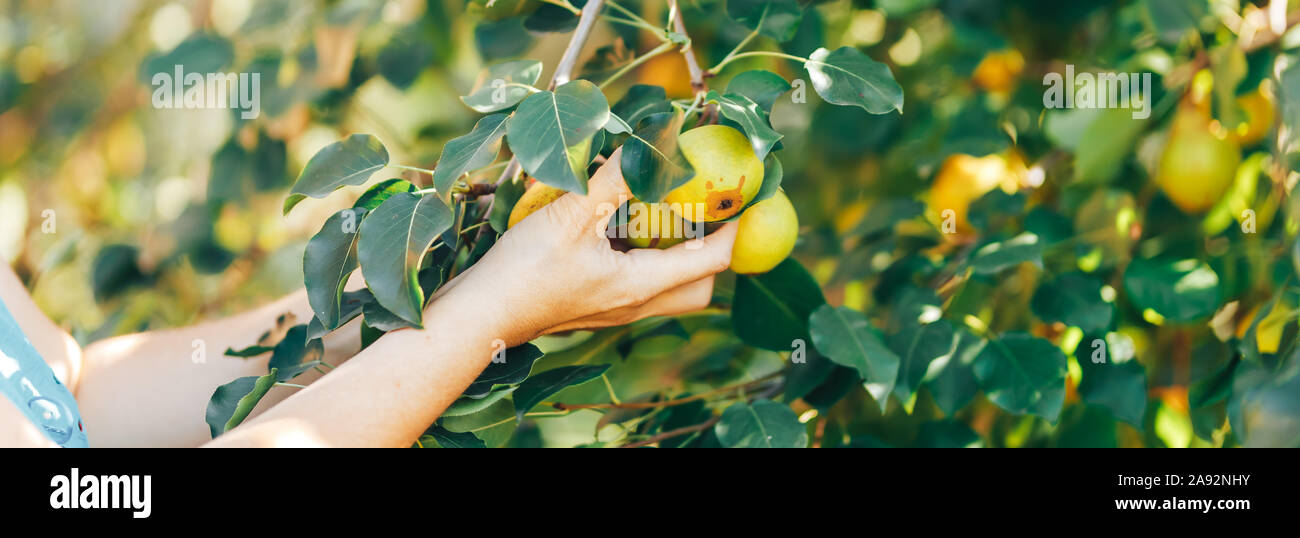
{"type": "Point", "coordinates": [1076, 300]}
{"type": "Point", "coordinates": [115, 270]}
{"type": "Point", "coordinates": [947, 434]}
{"type": "Point", "coordinates": [1106, 143]}
{"type": "Point", "coordinates": [1180, 290]}
{"type": "Point", "coordinates": [771, 310]}
{"type": "Point", "coordinates": [202, 52]}
{"type": "Point", "coordinates": [468, 406]}
{"type": "Point", "coordinates": [1023, 374]}
{"type": "Point", "coordinates": [506, 196]}
{"type": "Point", "coordinates": [250, 351]}
{"type": "Point", "coordinates": [330, 257]}
{"type": "Point", "coordinates": [760, 86]}
{"type": "Point", "coordinates": [353, 304]}
{"type": "Point", "coordinates": [994, 257]}
{"type": "Point", "coordinates": [494, 90]}
{"type": "Point", "coordinates": [777, 19]}
{"type": "Point", "coordinates": [347, 162]}
{"type": "Point", "coordinates": [470, 152]}
{"type": "Point", "coordinates": [641, 101]}
{"type": "Point", "coordinates": [493, 425]}
{"type": "Point", "coordinates": [652, 163]}
{"type": "Point", "coordinates": [917, 346]}
{"type": "Point", "coordinates": [887, 212]}
{"type": "Point", "coordinates": [1173, 19]}
{"type": "Point", "coordinates": [1264, 409]}
{"type": "Point", "coordinates": [231, 403]}
{"type": "Point", "coordinates": [762, 424]}
{"type": "Point", "coordinates": [551, 129]}
{"type": "Point", "coordinates": [393, 239]}
{"type": "Point", "coordinates": [544, 385]}
{"type": "Point", "coordinates": [443, 438]}
{"type": "Point", "coordinates": [951, 379]}
{"type": "Point", "coordinates": [517, 363]}
{"type": "Point", "coordinates": [845, 76]}
{"type": "Point", "coordinates": [550, 18]}
{"type": "Point", "coordinates": [1117, 382]}
{"type": "Point", "coordinates": [295, 354]}
{"type": "Point", "coordinates": [752, 120]}
{"type": "Point", "coordinates": [802, 378]}
{"type": "Point", "coordinates": [846, 336]}
{"type": "Point", "coordinates": [381, 191]}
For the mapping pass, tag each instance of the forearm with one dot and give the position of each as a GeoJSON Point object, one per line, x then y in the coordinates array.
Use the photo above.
{"type": "Point", "coordinates": [152, 389]}
{"type": "Point", "coordinates": [390, 392]}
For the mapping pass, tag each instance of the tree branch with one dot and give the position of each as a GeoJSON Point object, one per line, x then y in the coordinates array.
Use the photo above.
{"type": "Point", "coordinates": [674, 433]}
{"type": "Point", "coordinates": [688, 52]}
{"type": "Point", "coordinates": [563, 73]}
{"type": "Point", "coordinates": [569, 60]}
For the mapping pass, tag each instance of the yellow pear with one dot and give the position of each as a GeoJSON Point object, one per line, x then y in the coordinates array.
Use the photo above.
{"type": "Point", "coordinates": [999, 70]}
{"type": "Point", "coordinates": [727, 174]}
{"type": "Point", "coordinates": [962, 179]}
{"type": "Point", "coordinates": [1268, 335]}
{"type": "Point", "coordinates": [766, 236]}
{"type": "Point", "coordinates": [654, 226]}
{"type": "Point", "coordinates": [1259, 111]}
{"type": "Point", "coordinates": [1198, 164]}
{"type": "Point", "coordinates": [536, 197]}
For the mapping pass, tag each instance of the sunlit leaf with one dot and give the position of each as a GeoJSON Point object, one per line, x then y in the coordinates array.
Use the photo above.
{"type": "Point", "coordinates": [231, 403]}
{"type": "Point", "coordinates": [496, 87]}
{"type": "Point", "coordinates": [1023, 374]}
{"type": "Point", "coordinates": [347, 162]}
{"type": "Point", "coordinates": [470, 152]}
{"type": "Point", "coordinates": [845, 76]}
{"type": "Point", "coordinates": [1179, 290]}
{"type": "Point", "coordinates": [847, 337]}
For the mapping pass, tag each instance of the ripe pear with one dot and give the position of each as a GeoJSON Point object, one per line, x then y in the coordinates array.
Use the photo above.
{"type": "Point", "coordinates": [727, 174]}
{"type": "Point", "coordinates": [1268, 335]}
{"type": "Point", "coordinates": [962, 179]}
{"type": "Point", "coordinates": [1259, 112]}
{"type": "Point", "coordinates": [766, 236]}
{"type": "Point", "coordinates": [536, 197]}
{"type": "Point", "coordinates": [999, 71]}
{"type": "Point", "coordinates": [654, 226]}
{"type": "Point", "coordinates": [1198, 164]}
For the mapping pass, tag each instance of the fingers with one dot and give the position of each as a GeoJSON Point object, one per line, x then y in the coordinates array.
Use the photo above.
{"type": "Point", "coordinates": [686, 298]}
{"type": "Point", "coordinates": [685, 262]}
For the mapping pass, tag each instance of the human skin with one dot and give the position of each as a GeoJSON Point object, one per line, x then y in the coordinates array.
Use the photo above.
{"type": "Point", "coordinates": [552, 272]}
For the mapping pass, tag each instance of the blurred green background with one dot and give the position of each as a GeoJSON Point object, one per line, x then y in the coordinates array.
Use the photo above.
{"type": "Point", "coordinates": [167, 217]}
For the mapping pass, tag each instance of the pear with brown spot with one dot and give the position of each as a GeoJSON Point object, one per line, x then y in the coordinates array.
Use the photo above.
{"type": "Point", "coordinates": [727, 174]}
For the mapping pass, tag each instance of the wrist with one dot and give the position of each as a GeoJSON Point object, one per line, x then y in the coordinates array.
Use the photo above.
{"type": "Point", "coordinates": [483, 310]}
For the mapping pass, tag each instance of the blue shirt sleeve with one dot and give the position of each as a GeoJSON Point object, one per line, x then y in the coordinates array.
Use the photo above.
{"type": "Point", "coordinates": [30, 384]}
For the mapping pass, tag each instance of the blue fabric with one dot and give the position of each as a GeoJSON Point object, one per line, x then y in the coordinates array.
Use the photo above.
{"type": "Point", "coordinates": [30, 384]}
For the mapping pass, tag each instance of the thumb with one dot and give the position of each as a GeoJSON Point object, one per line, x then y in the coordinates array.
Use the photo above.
{"type": "Point", "coordinates": [607, 186]}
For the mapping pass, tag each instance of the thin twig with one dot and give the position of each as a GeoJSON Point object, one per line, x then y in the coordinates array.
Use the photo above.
{"type": "Point", "coordinates": [667, 403]}
{"type": "Point", "coordinates": [674, 433]}
{"type": "Point", "coordinates": [693, 66]}
{"type": "Point", "coordinates": [569, 60]}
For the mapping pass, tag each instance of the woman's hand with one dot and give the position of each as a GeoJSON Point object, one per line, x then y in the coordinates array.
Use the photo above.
{"type": "Point", "coordinates": [556, 271]}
